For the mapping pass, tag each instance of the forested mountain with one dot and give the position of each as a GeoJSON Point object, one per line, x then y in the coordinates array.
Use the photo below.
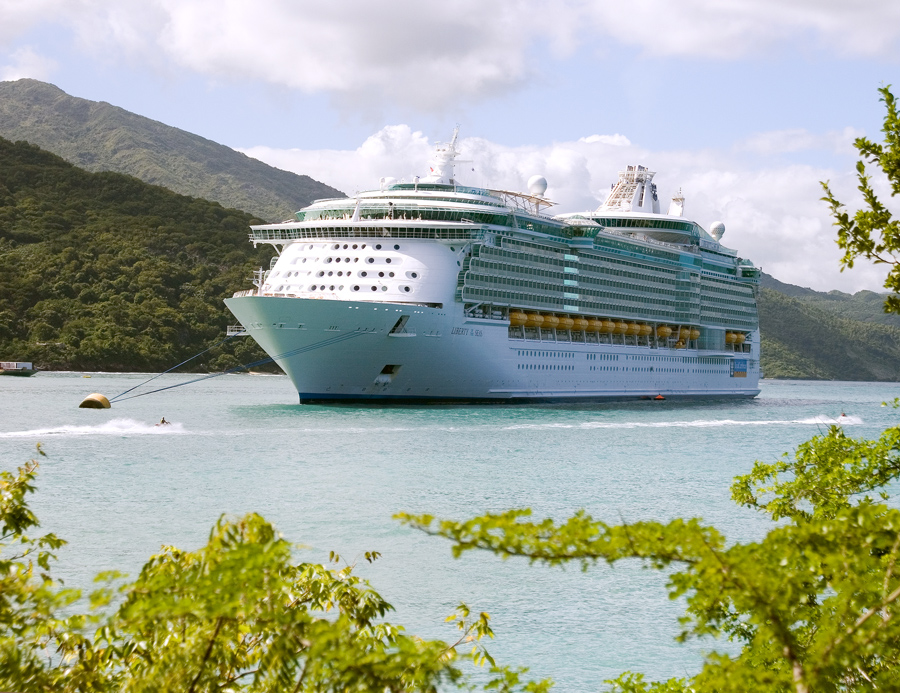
{"type": "Point", "coordinates": [102, 271]}
{"type": "Point", "coordinates": [800, 340]}
{"type": "Point", "coordinates": [100, 137]}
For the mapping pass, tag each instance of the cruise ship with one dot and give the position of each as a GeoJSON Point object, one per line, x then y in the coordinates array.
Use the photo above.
{"type": "Point", "coordinates": [434, 291]}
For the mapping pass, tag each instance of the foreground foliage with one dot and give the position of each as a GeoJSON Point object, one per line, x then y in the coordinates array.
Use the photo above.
{"type": "Point", "coordinates": [236, 615]}
{"type": "Point", "coordinates": [812, 604]}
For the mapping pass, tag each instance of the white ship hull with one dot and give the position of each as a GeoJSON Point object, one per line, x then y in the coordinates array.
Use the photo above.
{"type": "Point", "coordinates": [337, 350]}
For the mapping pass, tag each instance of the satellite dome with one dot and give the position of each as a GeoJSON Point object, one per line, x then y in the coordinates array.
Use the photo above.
{"type": "Point", "coordinates": [537, 185]}
{"type": "Point", "coordinates": [717, 230]}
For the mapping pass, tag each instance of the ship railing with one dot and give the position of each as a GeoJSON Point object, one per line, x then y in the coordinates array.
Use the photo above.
{"type": "Point", "coordinates": [367, 231]}
{"type": "Point", "coordinates": [236, 331]}
{"type": "Point", "coordinates": [247, 292]}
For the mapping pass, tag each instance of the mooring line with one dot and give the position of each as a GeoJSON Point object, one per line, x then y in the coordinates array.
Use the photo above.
{"type": "Point", "coordinates": [286, 354]}
{"type": "Point", "coordinates": [171, 369]}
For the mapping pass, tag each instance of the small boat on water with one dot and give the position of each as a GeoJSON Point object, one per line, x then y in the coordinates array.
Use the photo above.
{"type": "Point", "coordinates": [22, 368]}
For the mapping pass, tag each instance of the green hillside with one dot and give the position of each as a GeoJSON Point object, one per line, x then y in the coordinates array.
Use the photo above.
{"type": "Point", "coordinates": [100, 137]}
{"type": "Point", "coordinates": [800, 340]}
{"type": "Point", "coordinates": [866, 306]}
{"type": "Point", "coordinates": [101, 271]}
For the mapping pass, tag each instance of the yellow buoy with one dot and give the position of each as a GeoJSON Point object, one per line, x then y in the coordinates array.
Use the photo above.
{"type": "Point", "coordinates": [94, 401]}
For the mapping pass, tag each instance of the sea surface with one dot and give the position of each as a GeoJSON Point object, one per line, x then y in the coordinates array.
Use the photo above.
{"type": "Point", "coordinates": [117, 487]}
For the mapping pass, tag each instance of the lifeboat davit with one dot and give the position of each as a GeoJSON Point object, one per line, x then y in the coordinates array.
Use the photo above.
{"type": "Point", "coordinates": [663, 331]}
{"type": "Point", "coordinates": [609, 326]}
{"type": "Point", "coordinates": [534, 320]}
{"type": "Point", "coordinates": [566, 323]}
{"type": "Point", "coordinates": [730, 338]}
{"type": "Point", "coordinates": [621, 327]}
{"type": "Point", "coordinates": [517, 318]}
{"type": "Point", "coordinates": [581, 325]}
{"type": "Point", "coordinates": [550, 320]}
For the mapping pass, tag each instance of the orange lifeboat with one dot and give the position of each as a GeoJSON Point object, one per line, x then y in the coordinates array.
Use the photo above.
{"type": "Point", "coordinates": [695, 333]}
{"type": "Point", "coordinates": [684, 333]}
{"type": "Point", "coordinates": [621, 327]}
{"type": "Point", "coordinates": [594, 325]}
{"type": "Point", "coordinates": [646, 330]}
{"type": "Point", "coordinates": [663, 331]}
{"type": "Point", "coordinates": [740, 338]}
{"type": "Point", "coordinates": [730, 338]}
{"type": "Point", "coordinates": [566, 323]}
{"type": "Point", "coordinates": [550, 321]}
{"type": "Point", "coordinates": [609, 326]}
{"type": "Point", "coordinates": [534, 320]}
{"type": "Point", "coordinates": [634, 329]}
{"type": "Point", "coordinates": [581, 325]}
{"type": "Point", "coordinates": [517, 318]}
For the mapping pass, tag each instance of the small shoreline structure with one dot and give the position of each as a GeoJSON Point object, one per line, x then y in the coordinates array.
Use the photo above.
{"type": "Point", "coordinates": [22, 369]}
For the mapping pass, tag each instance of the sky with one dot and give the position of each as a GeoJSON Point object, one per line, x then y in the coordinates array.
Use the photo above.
{"type": "Point", "coordinates": [743, 105]}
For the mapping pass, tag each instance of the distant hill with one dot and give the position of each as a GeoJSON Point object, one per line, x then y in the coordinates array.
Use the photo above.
{"type": "Point", "coordinates": [102, 271]}
{"type": "Point", "coordinates": [801, 339]}
{"type": "Point", "coordinates": [866, 306]}
{"type": "Point", "coordinates": [100, 137]}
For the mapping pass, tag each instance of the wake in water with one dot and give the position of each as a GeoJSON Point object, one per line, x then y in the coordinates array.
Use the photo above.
{"type": "Point", "coordinates": [820, 420]}
{"type": "Point", "coordinates": [114, 427]}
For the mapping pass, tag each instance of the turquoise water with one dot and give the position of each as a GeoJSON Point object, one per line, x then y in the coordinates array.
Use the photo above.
{"type": "Point", "coordinates": [118, 488]}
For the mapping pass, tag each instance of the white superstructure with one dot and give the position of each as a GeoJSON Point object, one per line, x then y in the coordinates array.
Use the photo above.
{"type": "Point", "coordinates": [435, 291]}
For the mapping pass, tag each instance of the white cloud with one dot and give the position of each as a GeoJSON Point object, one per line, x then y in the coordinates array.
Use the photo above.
{"type": "Point", "coordinates": [773, 214]}
{"type": "Point", "coordinates": [27, 63]}
{"type": "Point", "coordinates": [434, 55]}
{"type": "Point", "coordinates": [796, 140]}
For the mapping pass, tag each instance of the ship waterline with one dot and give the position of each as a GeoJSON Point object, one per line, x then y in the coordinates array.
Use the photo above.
{"type": "Point", "coordinates": [432, 291]}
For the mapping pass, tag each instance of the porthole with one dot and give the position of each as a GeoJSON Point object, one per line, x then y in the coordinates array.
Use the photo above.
{"type": "Point", "coordinates": [381, 274]}
{"type": "Point", "coordinates": [336, 246]}
{"type": "Point", "coordinates": [354, 246]}
{"type": "Point", "coordinates": [312, 288]}
{"type": "Point", "coordinates": [412, 275]}
{"type": "Point", "coordinates": [406, 289]}
{"type": "Point", "coordinates": [378, 247]}
{"type": "Point", "coordinates": [390, 274]}
{"type": "Point", "coordinates": [370, 260]}
{"type": "Point", "coordinates": [384, 288]}
{"type": "Point", "coordinates": [356, 287]}
{"type": "Point", "coordinates": [337, 259]}
{"type": "Point", "coordinates": [331, 288]}
{"type": "Point", "coordinates": [452, 248]}
{"type": "Point", "coordinates": [363, 246]}
{"type": "Point", "coordinates": [322, 288]}
{"type": "Point", "coordinates": [279, 288]}
{"type": "Point", "coordinates": [346, 259]}
{"type": "Point", "coordinates": [345, 246]}
{"type": "Point", "coordinates": [341, 287]}
{"type": "Point", "coordinates": [320, 273]}
{"type": "Point", "coordinates": [396, 247]}
{"type": "Point", "coordinates": [374, 288]}
{"type": "Point", "coordinates": [388, 260]}
{"type": "Point", "coordinates": [363, 273]}
{"type": "Point", "coordinates": [328, 259]}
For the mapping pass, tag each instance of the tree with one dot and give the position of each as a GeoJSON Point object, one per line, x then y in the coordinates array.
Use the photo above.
{"type": "Point", "coordinates": [814, 604]}
{"type": "Point", "coordinates": [872, 232]}
{"type": "Point", "coordinates": [238, 614]}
